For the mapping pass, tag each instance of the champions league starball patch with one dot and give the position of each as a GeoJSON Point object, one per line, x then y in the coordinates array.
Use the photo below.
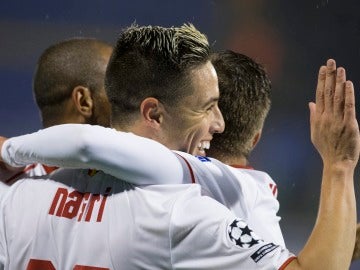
{"type": "Point", "coordinates": [241, 235]}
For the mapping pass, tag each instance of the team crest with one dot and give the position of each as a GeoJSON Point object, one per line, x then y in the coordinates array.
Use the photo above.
{"type": "Point", "coordinates": [241, 235]}
{"type": "Point", "coordinates": [92, 172]}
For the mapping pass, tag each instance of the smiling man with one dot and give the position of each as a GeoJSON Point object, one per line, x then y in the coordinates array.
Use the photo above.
{"type": "Point", "coordinates": [158, 81]}
{"type": "Point", "coordinates": [165, 88]}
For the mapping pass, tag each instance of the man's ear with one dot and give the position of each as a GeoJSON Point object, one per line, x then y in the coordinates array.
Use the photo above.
{"type": "Point", "coordinates": [256, 138]}
{"type": "Point", "coordinates": [151, 110]}
{"type": "Point", "coordinates": [83, 101]}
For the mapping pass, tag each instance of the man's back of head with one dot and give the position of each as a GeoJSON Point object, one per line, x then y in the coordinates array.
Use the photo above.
{"type": "Point", "coordinates": [68, 87]}
{"type": "Point", "coordinates": [245, 102]}
{"type": "Point", "coordinates": [77, 62]}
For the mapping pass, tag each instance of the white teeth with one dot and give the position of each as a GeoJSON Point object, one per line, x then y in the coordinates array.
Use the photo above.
{"type": "Point", "coordinates": [204, 145]}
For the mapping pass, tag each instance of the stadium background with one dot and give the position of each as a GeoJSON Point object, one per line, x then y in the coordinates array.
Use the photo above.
{"type": "Point", "coordinates": [290, 38]}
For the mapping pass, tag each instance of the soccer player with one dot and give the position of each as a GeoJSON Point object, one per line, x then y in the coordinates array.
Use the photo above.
{"type": "Point", "coordinates": [245, 102]}
{"type": "Point", "coordinates": [68, 87]}
{"type": "Point", "coordinates": [251, 199]}
{"type": "Point", "coordinates": [319, 123]}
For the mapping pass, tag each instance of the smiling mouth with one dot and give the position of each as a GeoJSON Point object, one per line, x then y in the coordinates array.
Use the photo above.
{"type": "Point", "coordinates": [202, 147]}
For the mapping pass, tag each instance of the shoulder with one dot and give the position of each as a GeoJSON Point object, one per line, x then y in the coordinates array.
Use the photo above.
{"type": "Point", "coordinates": [263, 180]}
{"type": "Point", "coordinates": [260, 176]}
{"type": "Point", "coordinates": [194, 214]}
{"type": "Point", "coordinates": [217, 239]}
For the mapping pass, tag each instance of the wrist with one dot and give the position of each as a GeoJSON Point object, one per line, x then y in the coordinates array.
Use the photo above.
{"type": "Point", "coordinates": [339, 170]}
{"type": "Point", "coordinates": [345, 164]}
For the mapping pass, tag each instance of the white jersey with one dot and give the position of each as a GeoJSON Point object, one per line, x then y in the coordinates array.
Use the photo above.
{"type": "Point", "coordinates": [142, 161]}
{"type": "Point", "coordinates": [80, 221]}
{"type": "Point", "coordinates": [249, 194]}
{"type": "Point", "coordinates": [3, 189]}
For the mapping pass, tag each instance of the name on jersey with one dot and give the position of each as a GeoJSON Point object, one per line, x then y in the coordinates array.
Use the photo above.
{"type": "Point", "coordinates": [76, 205]}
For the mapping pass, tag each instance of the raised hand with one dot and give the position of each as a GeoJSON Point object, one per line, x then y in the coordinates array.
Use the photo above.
{"type": "Point", "coordinates": [334, 128]}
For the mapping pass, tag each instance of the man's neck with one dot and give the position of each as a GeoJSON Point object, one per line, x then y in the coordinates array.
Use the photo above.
{"type": "Point", "coordinates": [233, 160]}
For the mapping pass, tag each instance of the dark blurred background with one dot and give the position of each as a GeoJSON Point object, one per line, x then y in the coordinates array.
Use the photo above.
{"type": "Point", "coordinates": [290, 38]}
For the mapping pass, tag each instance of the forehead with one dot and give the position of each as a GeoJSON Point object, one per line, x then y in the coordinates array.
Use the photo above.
{"type": "Point", "coordinates": [204, 83]}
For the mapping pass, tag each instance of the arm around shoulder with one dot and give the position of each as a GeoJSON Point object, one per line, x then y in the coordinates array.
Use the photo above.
{"type": "Point", "coordinates": [124, 155]}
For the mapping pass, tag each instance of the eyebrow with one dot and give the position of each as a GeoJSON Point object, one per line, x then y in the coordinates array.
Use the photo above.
{"type": "Point", "coordinates": [212, 100]}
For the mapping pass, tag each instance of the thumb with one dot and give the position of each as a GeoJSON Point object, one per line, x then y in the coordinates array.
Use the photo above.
{"type": "Point", "coordinates": [312, 108]}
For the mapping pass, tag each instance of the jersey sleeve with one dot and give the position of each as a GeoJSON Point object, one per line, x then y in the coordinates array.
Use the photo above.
{"type": "Point", "coordinates": [266, 207]}
{"type": "Point", "coordinates": [262, 205]}
{"type": "Point", "coordinates": [131, 158]}
{"type": "Point", "coordinates": [206, 235]}
{"type": "Point", "coordinates": [246, 193]}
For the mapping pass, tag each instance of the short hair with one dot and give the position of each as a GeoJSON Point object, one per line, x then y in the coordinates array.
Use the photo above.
{"type": "Point", "coordinates": [65, 65]}
{"type": "Point", "coordinates": [152, 61]}
{"type": "Point", "coordinates": [244, 101]}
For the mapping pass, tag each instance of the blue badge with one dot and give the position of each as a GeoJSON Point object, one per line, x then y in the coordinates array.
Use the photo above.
{"type": "Point", "coordinates": [203, 159]}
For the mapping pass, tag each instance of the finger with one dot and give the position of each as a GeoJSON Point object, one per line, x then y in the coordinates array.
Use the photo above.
{"type": "Point", "coordinates": [320, 90]}
{"type": "Point", "coordinates": [312, 108]}
{"type": "Point", "coordinates": [339, 93]}
{"type": "Point", "coordinates": [349, 107]}
{"type": "Point", "coordinates": [329, 85]}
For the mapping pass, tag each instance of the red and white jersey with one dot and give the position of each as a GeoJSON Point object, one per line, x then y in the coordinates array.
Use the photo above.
{"type": "Point", "coordinates": [31, 170]}
{"type": "Point", "coordinates": [78, 221]}
{"type": "Point", "coordinates": [142, 161]}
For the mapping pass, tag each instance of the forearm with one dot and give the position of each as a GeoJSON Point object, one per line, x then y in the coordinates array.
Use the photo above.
{"type": "Point", "coordinates": [333, 236]}
{"type": "Point", "coordinates": [50, 146]}
{"type": "Point", "coordinates": [123, 155]}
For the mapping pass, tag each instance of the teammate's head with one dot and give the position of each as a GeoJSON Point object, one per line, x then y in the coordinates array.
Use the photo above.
{"type": "Point", "coordinates": [245, 102]}
{"type": "Point", "coordinates": [161, 84]}
{"type": "Point", "coordinates": [69, 82]}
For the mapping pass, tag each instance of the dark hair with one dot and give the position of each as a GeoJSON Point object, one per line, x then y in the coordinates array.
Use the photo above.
{"type": "Point", "coordinates": [152, 61]}
{"type": "Point", "coordinates": [244, 101]}
{"type": "Point", "coordinates": [65, 65]}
